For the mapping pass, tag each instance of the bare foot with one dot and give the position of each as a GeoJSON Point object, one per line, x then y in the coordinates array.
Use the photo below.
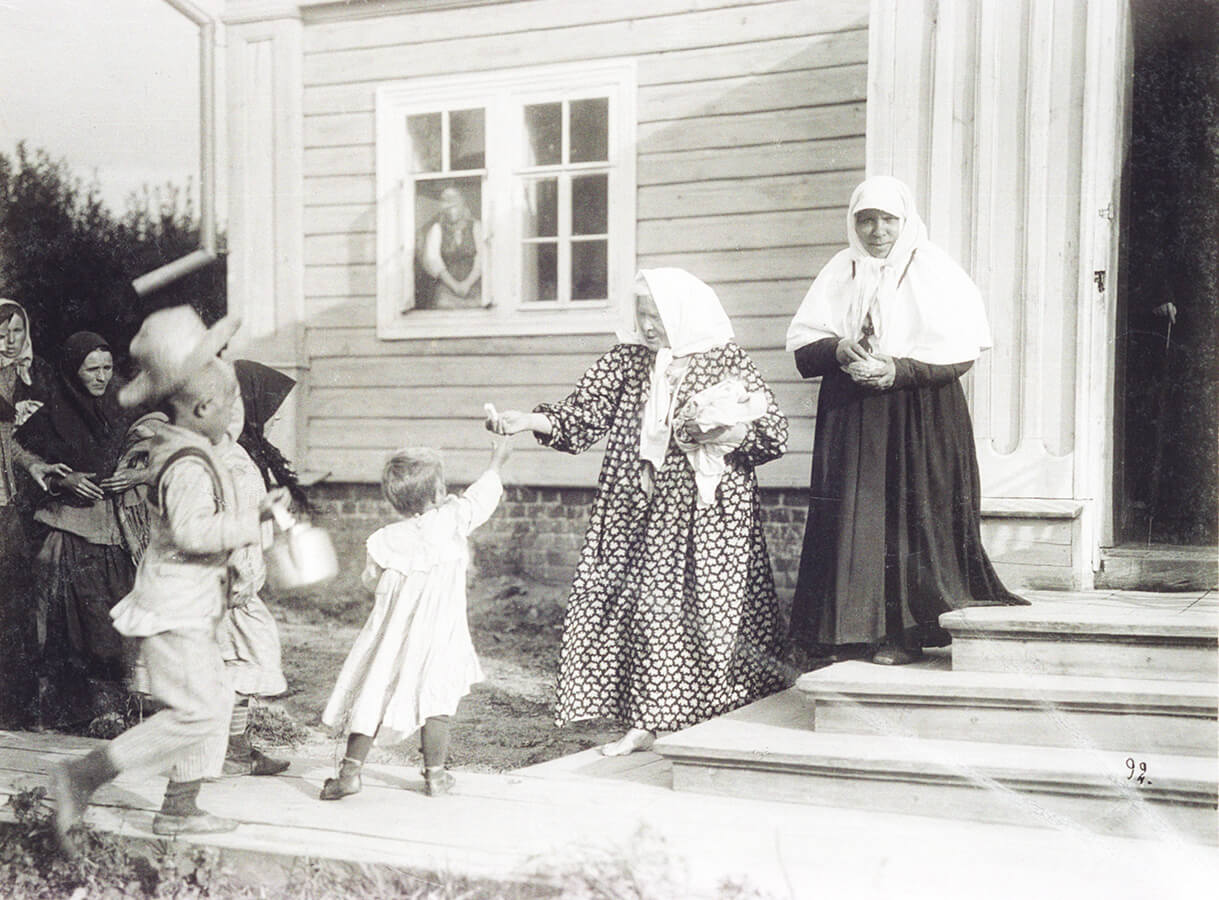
{"type": "Point", "coordinates": [633, 740]}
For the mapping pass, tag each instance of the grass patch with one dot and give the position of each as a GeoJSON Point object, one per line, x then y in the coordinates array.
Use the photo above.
{"type": "Point", "coordinates": [271, 725]}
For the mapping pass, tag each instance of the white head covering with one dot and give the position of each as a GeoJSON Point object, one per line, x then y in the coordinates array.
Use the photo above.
{"type": "Point", "coordinates": [694, 322]}
{"type": "Point", "coordinates": [24, 360]}
{"type": "Point", "coordinates": [922, 304]}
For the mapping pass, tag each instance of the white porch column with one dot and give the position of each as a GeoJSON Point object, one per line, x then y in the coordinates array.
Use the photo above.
{"type": "Point", "coordinates": [265, 204]}
{"type": "Point", "coordinates": [993, 112]}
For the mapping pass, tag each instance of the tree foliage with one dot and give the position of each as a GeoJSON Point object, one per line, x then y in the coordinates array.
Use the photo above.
{"type": "Point", "coordinates": [70, 260]}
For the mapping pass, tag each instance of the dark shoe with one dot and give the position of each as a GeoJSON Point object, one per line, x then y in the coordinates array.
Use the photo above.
{"type": "Point", "coordinates": [897, 656]}
{"type": "Point", "coordinates": [168, 825]}
{"type": "Point", "coordinates": [248, 761]}
{"type": "Point", "coordinates": [261, 764]}
{"type": "Point", "coordinates": [437, 783]}
{"type": "Point", "coordinates": [71, 800]}
{"type": "Point", "coordinates": [343, 786]}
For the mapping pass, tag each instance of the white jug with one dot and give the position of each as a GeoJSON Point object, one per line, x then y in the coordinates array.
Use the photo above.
{"type": "Point", "coordinates": [301, 555]}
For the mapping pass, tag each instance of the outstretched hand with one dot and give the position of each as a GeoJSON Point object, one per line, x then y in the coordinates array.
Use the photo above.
{"type": "Point", "coordinates": [511, 421]}
{"type": "Point", "coordinates": [82, 485]}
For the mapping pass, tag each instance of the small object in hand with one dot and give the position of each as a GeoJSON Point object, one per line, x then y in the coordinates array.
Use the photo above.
{"type": "Point", "coordinates": [302, 554]}
{"type": "Point", "coordinates": [492, 422]}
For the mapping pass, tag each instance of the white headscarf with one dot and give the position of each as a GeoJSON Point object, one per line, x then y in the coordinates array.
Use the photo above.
{"type": "Point", "coordinates": [24, 360]}
{"type": "Point", "coordinates": [694, 322]}
{"type": "Point", "coordinates": [923, 305]}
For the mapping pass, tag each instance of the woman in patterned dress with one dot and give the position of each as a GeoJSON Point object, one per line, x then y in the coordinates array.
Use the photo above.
{"type": "Point", "coordinates": [673, 616]}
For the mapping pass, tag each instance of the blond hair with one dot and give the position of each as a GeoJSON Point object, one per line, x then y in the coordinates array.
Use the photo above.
{"type": "Point", "coordinates": [412, 479]}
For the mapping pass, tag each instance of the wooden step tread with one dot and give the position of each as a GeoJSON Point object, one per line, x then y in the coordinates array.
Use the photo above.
{"type": "Point", "coordinates": [1179, 779]}
{"type": "Point", "coordinates": [935, 682]}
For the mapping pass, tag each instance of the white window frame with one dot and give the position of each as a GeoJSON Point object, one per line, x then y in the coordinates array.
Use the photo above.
{"type": "Point", "coordinates": [502, 94]}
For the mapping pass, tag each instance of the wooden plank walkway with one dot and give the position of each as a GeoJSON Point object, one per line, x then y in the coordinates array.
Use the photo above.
{"type": "Point", "coordinates": [554, 816]}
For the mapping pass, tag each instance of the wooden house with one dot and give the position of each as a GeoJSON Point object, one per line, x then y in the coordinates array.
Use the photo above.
{"type": "Point", "coordinates": [589, 138]}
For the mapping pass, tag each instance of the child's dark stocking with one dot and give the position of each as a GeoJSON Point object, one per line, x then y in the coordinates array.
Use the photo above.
{"type": "Point", "coordinates": [181, 815]}
{"type": "Point", "coordinates": [180, 797]}
{"type": "Point", "coordinates": [435, 744]}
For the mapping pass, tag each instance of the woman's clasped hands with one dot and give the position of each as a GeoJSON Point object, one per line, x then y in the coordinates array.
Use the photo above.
{"type": "Point", "coordinates": [868, 370]}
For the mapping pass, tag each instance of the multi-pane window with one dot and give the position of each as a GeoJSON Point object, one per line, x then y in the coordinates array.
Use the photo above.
{"type": "Point", "coordinates": [506, 202]}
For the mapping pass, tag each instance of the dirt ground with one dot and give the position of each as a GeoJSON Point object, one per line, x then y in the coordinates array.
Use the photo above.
{"type": "Point", "coordinates": [504, 723]}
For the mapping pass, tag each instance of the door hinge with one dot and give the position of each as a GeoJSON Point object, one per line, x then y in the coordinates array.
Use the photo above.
{"type": "Point", "coordinates": [1099, 277]}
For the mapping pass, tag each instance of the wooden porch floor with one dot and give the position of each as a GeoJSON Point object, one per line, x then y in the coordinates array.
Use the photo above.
{"type": "Point", "coordinates": [551, 817]}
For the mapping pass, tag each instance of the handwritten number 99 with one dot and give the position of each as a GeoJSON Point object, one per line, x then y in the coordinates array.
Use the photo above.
{"type": "Point", "coordinates": [1136, 768]}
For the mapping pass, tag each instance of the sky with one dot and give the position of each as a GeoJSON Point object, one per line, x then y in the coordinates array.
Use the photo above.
{"type": "Point", "coordinates": [112, 86]}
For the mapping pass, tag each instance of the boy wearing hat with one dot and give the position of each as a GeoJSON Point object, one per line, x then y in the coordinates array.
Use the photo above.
{"type": "Point", "coordinates": [181, 585]}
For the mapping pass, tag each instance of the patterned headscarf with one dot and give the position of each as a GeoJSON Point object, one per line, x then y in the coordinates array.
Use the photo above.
{"type": "Point", "coordinates": [25, 356]}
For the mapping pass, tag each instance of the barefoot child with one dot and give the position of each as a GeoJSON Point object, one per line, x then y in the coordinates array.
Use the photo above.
{"type": "Point", "coordinates": [413, 661]}
{"type": "Point", "coordinates": [182, 581]}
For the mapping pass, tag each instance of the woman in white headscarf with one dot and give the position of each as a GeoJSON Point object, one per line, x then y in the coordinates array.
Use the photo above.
{"type": "Point", "coordinates": [890, 325]}
{"type": "Point", "coordinates": [673, 616]}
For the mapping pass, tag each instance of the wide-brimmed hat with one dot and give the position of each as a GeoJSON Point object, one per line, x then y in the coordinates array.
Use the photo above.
{"type": "Point", "coordinates": [171, 346]}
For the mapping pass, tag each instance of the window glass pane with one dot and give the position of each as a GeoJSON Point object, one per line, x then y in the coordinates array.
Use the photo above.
{"type": "Point", "coordinates": [544, 134]}
{"type": "Point", "coordinates": [588, 270]}
{"type": "Point", "coordinates": [447, 214]}
{"type": "Point", "coordinates": [424, 134]}
{"type": "Point", "coordinates": [467, 139]}
{"type": "Point", "coordinates": [589, 204]}
{"type": "Point", "coordinates": [540, 272]}
{"type": "Point", "coordinates": [541, 208]}
{"type": "Point", "coordinates": [590, 130]}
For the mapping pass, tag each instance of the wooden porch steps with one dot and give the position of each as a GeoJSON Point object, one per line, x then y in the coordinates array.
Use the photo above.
{"type": "Point", "coordinates": [930, 700]}
{"type": "Point", "coordinates": [1057, 787]}
{"type": "Point", "coordinates": [1086, 711]}
{"type": "Point", "coordinates": [1165, 638]}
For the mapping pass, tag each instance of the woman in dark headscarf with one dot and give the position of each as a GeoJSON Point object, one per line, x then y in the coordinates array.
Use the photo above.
{"type": "Point", "coordinates": [24, 381]}
{"type": "Point", "coordinates": [263, 391]}
{"type": "Point", "coordinates": [83, 568]}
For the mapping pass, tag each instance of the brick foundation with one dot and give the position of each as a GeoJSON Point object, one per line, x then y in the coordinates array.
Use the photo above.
{"type": "Point", "coordinates": [539, 531]}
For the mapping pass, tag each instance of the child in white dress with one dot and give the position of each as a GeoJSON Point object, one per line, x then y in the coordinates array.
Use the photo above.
{"type": "Point", "coordinates": [414, 660]}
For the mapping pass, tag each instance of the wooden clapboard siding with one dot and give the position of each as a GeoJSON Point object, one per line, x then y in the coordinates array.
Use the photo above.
{"type": "Point", "coordinates": [751, 116]}
{"type": "Point", "coordinates": [529, 465]}
{"type": "Point", "coordinates": [459, 369]}
{"type": "Point", "coordinates": [447, 434]}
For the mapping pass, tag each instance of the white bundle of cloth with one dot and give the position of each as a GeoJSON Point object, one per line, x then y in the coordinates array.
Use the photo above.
{"type": "Point", "coordinates": [721, 415]}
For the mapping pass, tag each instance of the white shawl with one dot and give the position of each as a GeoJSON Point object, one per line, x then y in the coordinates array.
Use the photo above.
{"type": "Point", "coordinates": [923, 305]}
{"type": "Point", "coordinates": [695, 322]}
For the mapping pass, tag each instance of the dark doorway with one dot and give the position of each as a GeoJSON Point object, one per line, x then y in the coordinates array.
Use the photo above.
{"type": "Point", "coordinates": [1167, 399]}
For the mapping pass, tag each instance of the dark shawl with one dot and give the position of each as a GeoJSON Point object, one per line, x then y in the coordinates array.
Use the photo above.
{"type": "Point", "coordinates": [74, 427]}
{"type": "Point", "coordinates": [263, 391]}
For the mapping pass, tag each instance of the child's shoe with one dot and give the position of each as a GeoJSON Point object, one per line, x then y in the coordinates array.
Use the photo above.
{"type": "Point", "coordinates": [168, 825]}
{"type": "Point", "coordinates": [437, 781]}
{"type": "Point", "coordinates": [242, 758]}
{"type": "Point", "coordinates": [347, 782]}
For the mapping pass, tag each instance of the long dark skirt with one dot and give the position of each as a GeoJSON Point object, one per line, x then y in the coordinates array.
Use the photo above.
{"type": "Point", "coordinates": [80, 665]}
{"type": "Point", "coordinates": [16, 621]}
{"type": "Point", "coordinates": [892, 539]}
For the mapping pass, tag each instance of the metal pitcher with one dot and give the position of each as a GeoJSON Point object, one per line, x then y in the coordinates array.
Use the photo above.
{"type": "Point", "coordinates": [301, 554]}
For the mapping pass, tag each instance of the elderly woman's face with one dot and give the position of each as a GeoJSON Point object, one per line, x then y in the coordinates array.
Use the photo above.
{"type": "Point", "coordinates": [12, 336]}
{"type": "Point", "coordinates": [651, 326]}
{"type": "Point", "coordinates": [877, 231]}
{"type": "Point", "coordinates": [452, 205]}
{"type": "Point", "coordinates": [96, 371]}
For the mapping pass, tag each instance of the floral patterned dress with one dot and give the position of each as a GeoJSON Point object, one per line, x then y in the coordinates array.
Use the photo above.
{"type": "Point", "coordinates": [673, 616]}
